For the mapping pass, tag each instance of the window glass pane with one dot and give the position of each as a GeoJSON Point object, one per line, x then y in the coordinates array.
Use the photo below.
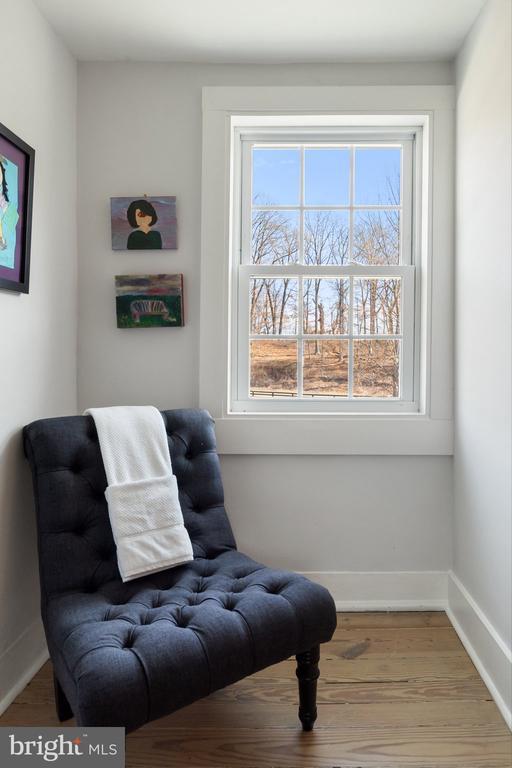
{"type": "Point", "coordinates": [326, 237]}
{"type": "Point", "coordinates": [377, 306]}
{"type": "Point", "coordinates": [377, 176]}
{"type": "Point", "coordinates": [275, 237]}
{"type": "Point", "coordinates": [325, 305]}
{"type": "Point", "coordinates": [273, 368]}
{"type": "Point", "coordinates": [376, 368]}
{"type": "Point", "coordinates": [273, 305]}
{"type": "Point", "coordinates": [325, 368]}
{"type": "Point", "coordinates": [376, 239]}
{"type": "Point", "coordinates": [327, 174]}
{"type": "Point", "coordinates": [275, 176]}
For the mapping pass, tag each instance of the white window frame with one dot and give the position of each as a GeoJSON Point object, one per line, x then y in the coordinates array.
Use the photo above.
{"type": "Point", "coordinates": [410, 141]}
{"type": "Point", "coordinates": [430, 430]}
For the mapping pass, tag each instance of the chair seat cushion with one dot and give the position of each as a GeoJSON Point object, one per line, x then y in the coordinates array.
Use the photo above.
{"type": "Point", "coordinates": [130, 653]}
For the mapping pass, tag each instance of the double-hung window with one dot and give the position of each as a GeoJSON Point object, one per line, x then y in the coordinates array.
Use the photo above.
{"type": "Point", "coordinates": [323, 272]}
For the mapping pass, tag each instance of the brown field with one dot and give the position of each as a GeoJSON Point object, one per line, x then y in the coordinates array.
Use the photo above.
{"type": "Point", "coordinates": [274, 368]}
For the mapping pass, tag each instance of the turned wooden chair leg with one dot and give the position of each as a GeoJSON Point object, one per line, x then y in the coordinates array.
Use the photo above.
{"type": "Point", "coordinates": [307, 673]}
{"type": "Point", "coordinates": [64, 711]}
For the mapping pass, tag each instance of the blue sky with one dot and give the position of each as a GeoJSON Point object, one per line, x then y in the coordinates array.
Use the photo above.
{"type": "Point", "coordinates": [276, 176]}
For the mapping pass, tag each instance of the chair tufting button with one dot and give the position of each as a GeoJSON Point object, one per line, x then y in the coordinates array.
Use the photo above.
{"type": "Point", "coordinates": [230, 604]}
{"type": "Point", "coordinates": [181, 621]}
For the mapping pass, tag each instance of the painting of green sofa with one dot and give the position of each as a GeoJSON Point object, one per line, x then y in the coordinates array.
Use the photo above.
{"type": "Point", "coordinates": [149, 301]}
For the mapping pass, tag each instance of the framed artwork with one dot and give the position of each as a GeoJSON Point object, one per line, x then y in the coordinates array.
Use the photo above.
{"type": "Point", "coordinates": [149, 301]}
{"type": "Point", "coordinates": [145, 223]}
{"type": "Point", "coordinates": [16, 195]}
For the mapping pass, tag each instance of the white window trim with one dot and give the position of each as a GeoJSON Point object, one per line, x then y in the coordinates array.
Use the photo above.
{"type": "Point", "coordinates": [430, 430]}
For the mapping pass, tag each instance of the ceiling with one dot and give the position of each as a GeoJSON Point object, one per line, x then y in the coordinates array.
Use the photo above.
{"type": "Point", "coordinates": [268, 31]}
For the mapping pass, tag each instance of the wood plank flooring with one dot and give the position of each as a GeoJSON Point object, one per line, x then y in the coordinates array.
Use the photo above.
{"type": "Point", "coordinates": [396, 690]}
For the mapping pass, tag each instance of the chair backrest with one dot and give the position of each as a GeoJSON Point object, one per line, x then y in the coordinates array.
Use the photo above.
{"type": "Point", "coordinates": [76, 547]}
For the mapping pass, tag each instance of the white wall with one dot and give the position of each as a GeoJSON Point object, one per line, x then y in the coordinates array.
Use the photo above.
{"type": "Point", "coordinates": [341, 513]}
{"type": "Point", "coordinates": [483, 459]}
{"type": "Point", "coordinates": [140, 131]}
{"type": "Point", "coordinates": [38, 337]}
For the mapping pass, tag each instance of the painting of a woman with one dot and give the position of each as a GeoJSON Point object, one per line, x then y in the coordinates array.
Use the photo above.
{"type": "Point", "coordinates": [134, 223]}
{"type": "Point", "coordinates": [16, 196]}
{"type": "Point", "coordinates": [8, 214]}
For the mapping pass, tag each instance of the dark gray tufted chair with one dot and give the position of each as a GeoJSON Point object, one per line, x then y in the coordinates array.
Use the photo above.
{"type": "Point", "coordinates": [124, 654]}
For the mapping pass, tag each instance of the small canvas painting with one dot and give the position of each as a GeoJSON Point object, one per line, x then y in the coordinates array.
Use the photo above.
{"type": "Point", "coordinates": [149, 301]}
{"type": "Point", "coordinates": [145, 223]}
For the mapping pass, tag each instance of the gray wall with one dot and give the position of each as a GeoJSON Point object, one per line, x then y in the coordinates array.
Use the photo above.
{"type": "Point", "coordinates": [38, 337]}
{"type": "Point", "coordinates": [483, 459]}
{"type": "Point", "coordinates": [139, 131]}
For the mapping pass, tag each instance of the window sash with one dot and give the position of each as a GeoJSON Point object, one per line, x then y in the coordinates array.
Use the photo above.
{"type": "Point", "coordinates": [242, 383]}
{"type": "Point", "coordinates": [405, 208]}
{"type": "Point", "coordinates": [240, 401]}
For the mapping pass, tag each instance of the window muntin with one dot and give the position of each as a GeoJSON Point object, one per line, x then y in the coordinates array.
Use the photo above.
{"type": "Point", "coordinates": [325, 283]}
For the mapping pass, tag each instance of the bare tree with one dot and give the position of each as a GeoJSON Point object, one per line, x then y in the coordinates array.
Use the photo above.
{"type": "Point", "coordinates": [274, 238]}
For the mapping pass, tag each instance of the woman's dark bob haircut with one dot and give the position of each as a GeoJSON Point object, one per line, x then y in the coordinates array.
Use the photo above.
{"type": "Point", "coordinates": [144, 207]}
{"type": "Point", "coordinates": [4, 182]}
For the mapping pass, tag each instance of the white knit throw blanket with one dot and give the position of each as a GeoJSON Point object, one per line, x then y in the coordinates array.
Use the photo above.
{"type": "Point", "coordinates": [142, 492]}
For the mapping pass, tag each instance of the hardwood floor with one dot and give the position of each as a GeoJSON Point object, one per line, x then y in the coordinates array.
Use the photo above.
{"type": "Point", "coordinates": [396, 689]}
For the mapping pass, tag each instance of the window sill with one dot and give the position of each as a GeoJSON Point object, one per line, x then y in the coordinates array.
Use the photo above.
{"type": "Point", "coordinates": [361, 435]}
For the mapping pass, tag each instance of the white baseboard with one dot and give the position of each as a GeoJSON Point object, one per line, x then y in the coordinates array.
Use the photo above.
{"type": "Point", "coordinates": [21, 661]}
{"type": "Point", "coordinates": [486, 648]}
{"type": "Point", "coordinates": [385, 590]}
